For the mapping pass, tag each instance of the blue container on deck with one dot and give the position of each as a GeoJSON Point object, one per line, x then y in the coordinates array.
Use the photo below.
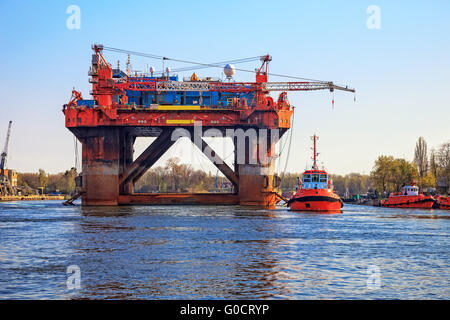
{"type": "Point", "coordinates": [86, 103]}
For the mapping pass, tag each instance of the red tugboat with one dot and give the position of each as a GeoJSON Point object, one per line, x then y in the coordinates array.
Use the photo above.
{"type": "Point", "coordinates": [409, 198]}
{"type": "Point", "coordinates": [443, 202]}
{"type": "Point", "coordinates": [316, 192]}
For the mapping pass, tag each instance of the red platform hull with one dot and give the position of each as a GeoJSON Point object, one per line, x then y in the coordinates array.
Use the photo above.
{"type": "Point", "coordinates": [316, 200]}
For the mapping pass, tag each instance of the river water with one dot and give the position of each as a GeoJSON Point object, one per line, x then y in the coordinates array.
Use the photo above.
{"type": "Point", "coordinates": [216, 252]}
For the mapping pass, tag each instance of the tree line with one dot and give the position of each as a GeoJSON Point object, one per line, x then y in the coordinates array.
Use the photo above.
{"type": "Point", "coordinates": [389, 174]}
{"type": "Point", "coordinates": [32, 183]}
{"type": "Point", "coordinates": [180, 177]}
{"type": "Point", "coordinates": [173, 177]}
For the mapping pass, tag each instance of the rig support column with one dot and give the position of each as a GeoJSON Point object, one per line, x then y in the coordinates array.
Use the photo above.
{"type": "Point", "coordinates": [257, 181]}
{"type": "Point", "coordinates": [101, 155]}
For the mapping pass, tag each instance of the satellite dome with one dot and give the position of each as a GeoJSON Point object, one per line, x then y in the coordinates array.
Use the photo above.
{"type": "Point", "coordinates": [229, 70]}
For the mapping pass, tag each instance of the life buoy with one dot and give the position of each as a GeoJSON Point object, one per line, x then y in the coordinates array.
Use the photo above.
{"type": "Point", "coordinates": [266, 181]}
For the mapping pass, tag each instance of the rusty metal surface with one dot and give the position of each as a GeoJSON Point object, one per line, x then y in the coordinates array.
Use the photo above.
{"type": "Point", "coordinates": [180, 198]}
{"type": "Point", "coordinates": [101, 167]}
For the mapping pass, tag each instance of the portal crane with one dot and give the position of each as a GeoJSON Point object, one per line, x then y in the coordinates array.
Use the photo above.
{"type": "Point", "coordinates": [5, 186]}
{"type": "Point", "coordinates": [4, 154]}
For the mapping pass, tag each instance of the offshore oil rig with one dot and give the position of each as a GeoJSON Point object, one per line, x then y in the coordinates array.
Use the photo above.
{"type": "Point", "coordinates": [126, 106]}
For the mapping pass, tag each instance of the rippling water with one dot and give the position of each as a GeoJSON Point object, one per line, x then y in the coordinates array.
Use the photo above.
{"type": "Point", "coordinates": [208, 252]}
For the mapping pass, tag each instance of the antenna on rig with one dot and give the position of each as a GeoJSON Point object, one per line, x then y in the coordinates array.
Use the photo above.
{"type": "Point", "coordinates": [128, 65]}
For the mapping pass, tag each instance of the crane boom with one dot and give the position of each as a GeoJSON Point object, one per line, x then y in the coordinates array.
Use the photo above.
{"type": "Point", "coordinates": [5, 149]}
{"type": "Point", "coordinates": [304, 86]}
{"type": "Point", "coordinates": [141, 84]}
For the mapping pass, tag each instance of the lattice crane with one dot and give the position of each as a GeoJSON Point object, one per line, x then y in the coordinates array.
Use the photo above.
{"type": "Point", "coordinates": [4, 154]}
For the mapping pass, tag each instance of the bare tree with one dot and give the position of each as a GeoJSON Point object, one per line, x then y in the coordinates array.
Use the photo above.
{"type": "Point", "coordinates": [433, 164]}
{"type": "Point", "coordinates": [421, 157]}
{"type": "Point", "coordinates": [443, 156]}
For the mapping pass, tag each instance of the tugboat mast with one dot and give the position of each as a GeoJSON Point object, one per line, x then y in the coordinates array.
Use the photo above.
{"type": "Point", "coordinates": [315, 138]}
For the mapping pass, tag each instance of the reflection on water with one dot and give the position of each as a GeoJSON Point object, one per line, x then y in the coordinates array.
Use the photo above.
{"type": "Point", "coordinates": [208, 252]}
{"type": "Point", "coordinates": [419, 216]}
{"type": "Point", "coordinates": [319, 212]}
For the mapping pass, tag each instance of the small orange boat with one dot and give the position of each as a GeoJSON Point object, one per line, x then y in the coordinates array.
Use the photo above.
{"type": "Point", "coordinates": [443, 202]}
{"type": "Point", "coordinates": [316, 191]}
{"type": "Point", "coordinates": [409, 198]}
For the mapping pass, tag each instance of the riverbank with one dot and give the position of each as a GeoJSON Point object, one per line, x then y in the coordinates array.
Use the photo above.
{"type": "Point", "coordinates": [30, 198]}
{"type": "Point", "coordinates": [364, 202]}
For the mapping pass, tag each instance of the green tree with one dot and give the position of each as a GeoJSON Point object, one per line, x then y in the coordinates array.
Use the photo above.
{"type": "Point", "coordinates": [428, 181]}
{"type": "Point", "coordinates": [402, 173]}
{"type": "Point", "coordinates": [389, 174]}
{"type": "Point", "coordinates": [42, 179]}
{"type": "Point", "coordinates": [382, 172]}
{"type": "Point", "coordinates": [69, 179]}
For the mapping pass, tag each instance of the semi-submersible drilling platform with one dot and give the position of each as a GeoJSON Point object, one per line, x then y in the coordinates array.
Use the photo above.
{"type": "Point", "coordinates": [125, 107]}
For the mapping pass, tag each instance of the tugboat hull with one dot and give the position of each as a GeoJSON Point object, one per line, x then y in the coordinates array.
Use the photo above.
{"type": "Point", "coordinates": [315, 205]}
{"type": "Point", "coordinates": [418, 202]}
{"type": "Point", "coordinates": [443, 203]}
{"type": "Point", "coordinates": [315, 200]}
{"type": "Point", "coordinates": [316, 191]}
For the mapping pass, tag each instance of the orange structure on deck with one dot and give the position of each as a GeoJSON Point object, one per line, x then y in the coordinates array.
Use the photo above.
{"type": "Point", "coordinates": [108, 125]}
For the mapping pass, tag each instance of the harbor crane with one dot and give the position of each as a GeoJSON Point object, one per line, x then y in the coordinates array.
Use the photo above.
{"type": "Point", "coordinates": [5, 186]}
{"type": "Point", "coordinates": [4, 154]}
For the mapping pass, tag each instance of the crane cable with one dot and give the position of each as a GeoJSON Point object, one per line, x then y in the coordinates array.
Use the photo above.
{"type": "Point", "coordinates": [202, 65]}
{"type": "Point", "coordinates": [205, 65]}
{"type": "Point", "coordinates": [283, 145]}
{"type": "Point", "coordinates": [290, 141]}
{"type": "Point", "coordinates": [75, 143]}
{"type": "Point", "coordinates": [217, 64]}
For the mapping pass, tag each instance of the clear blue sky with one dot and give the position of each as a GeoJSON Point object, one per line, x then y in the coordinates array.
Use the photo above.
{"type": "Point", "coordinates": [401, 71]}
